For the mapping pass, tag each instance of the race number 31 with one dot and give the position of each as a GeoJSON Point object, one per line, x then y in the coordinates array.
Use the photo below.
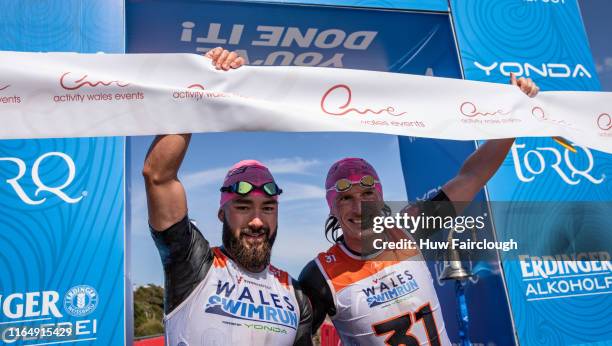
{"type": "Point", "coordinates": [398, 328]}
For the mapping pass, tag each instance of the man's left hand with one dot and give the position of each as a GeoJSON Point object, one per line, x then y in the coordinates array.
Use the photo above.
{"type": "Point", "coordinates": [223, 59]}
{"type": "Point", "coordinates": [525, 84]}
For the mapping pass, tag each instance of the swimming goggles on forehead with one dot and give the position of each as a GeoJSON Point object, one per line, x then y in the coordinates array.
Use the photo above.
{"type": "Point", "coordinates": [243, 188]}
{"type": "Point", "coordinates": [344, 184]}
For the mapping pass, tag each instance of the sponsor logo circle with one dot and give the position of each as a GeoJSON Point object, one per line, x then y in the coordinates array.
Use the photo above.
{"type": "Point", "coordinates": [604, 121]}
{"type": "Point", "coordinates": [81, 300]}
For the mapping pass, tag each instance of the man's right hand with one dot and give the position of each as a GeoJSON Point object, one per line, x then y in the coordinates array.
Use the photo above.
{"type": "Point", "coordinates": [223, 59]}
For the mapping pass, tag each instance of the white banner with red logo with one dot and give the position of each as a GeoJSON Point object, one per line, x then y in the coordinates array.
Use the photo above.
{"type": "Point", "coordinates": [87, 95]}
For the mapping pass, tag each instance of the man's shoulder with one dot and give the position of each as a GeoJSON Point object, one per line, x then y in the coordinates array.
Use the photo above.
{"type": "Point", "coordinates": [330, 264]}
{"type": "Point", "coordinates": [178, 241]}
{"type": "Point", "coordinates": [186, 257]}
{"type": "Point", "coordinates": [281, 276]}
{"type": "Point", "coordinates": [310, 271]}
{"type": "Point", "coordinates": [333, 255]}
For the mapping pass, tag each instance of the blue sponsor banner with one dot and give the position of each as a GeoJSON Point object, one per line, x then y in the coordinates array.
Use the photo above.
{"type": "Point", "coordinates": [62, 26]}
{"type": "Point", "coordinates": [62, 226]}
{"type": "Point", "coordinates": [276, 34]}
{"type": "Point", "coordinates": [61, 245]}
{"type": "Point", "coordinates": [550, 46]}
{"type": "Point", "coordinates": [423, 5]}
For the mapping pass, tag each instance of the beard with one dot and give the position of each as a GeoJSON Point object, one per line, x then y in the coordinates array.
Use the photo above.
{"type": "Point", "coordinates": [251, 255]}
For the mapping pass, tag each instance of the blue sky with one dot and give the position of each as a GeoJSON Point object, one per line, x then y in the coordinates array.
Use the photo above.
{"type": "Point", "coordinates": [299, 163]}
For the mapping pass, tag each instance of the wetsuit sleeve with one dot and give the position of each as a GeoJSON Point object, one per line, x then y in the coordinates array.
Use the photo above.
{"type": "Point", "coordinates": [438, 205]}
{"type": "Point", "coordinates": [303, 335]}
{"type": "Point", "coordinates": [316, 288]}
{"type": "Point", "coordinates": [186, 257]}
{"type": "Point", "coordinates": [444, 208]}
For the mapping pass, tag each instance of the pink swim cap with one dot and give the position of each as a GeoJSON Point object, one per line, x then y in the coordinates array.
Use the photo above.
{"type": "Point", "coordinates": [251, 171]}
{"type": "Point", "coordinates": [350, 168]}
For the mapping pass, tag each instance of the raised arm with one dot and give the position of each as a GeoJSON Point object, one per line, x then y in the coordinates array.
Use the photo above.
{"type": "Point", "coordinates": [166, 199]}
{"type": "Point", "coordinates": [484, 162]}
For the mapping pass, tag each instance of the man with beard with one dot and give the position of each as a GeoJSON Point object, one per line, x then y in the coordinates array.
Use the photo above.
{"type": "Point", "coordinates": [229, 295]}
{"type": "Point", "coordinates": [387, 297]}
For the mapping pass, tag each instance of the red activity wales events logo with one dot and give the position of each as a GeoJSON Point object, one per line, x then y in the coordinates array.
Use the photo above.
{"type": "Point", "coordinates": [82, 88]}
{"type": "Point", "coordinates": [346, 94]}
{"type": "Point", "coordinates": [70, 83]}
{"type": "Point", "coordinates": [470, 110]}
{"type": "Point", "coordinates": [198, 92]}
{"type": "Point", "coordinates": [473, 114]}
{"type": "Point", "coordinates": [541, 115]}
{"type": "Point", "coordinates": [604, 123]}
{"type": "Point", "coordinates": [338, 101]}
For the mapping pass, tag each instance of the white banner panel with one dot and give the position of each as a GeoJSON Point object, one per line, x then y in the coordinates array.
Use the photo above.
{"type": "Point", "coordinates": [85, 95]}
